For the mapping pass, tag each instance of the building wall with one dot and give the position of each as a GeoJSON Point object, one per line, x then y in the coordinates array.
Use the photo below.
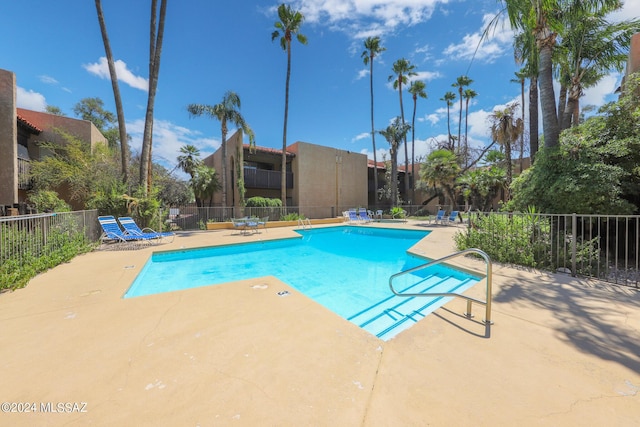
{"type": "Point", "coordinates": [326, 176]}
{"type": "Point", "coordinates": [8, 139]}
{"type": "Point", "coordinates": [633, 64]}
{"type": "Point", "coordinates": [83, 130]}
{"type": "Point", "coordinates": [215, 161]}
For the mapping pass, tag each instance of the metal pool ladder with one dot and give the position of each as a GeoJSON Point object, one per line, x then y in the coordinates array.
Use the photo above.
{"type": "Point", "coordinates": [470, 300]}
{"type": "Point", "coordinates": [304, 222]}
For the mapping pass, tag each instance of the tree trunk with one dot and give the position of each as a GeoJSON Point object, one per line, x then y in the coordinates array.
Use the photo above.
{"type": "Point", "coordinates": [406, 148]}
{"type": "Point", "coordinates": [562, 103]}
{"type": "Point", "coordinates": [522, 133]}
{"type": "Point", "coordinates": [545, 40]}
{"type": "Point", "coordinates": [413, 150]}
{"type": "Point", "coordinates": [124, 142]}
{"type": "Point", "coordinates": [283, 176]}
{"type": "Point", "coordinates": [373, 141]}
{"type": "Point", "coordinates": [394, 175]}
{"type": "Point", "coordinates": [155, 50]}
{"type": "Point", "coordinates": [533, 117]}
{"type": "Point", "coordinates": [223, 170]}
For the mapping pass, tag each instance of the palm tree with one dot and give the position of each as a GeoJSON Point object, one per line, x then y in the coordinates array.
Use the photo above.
{"type": "Point", "coordinates": [402, 70]}
{"type": "Point", "coordinates": [124, 141]}
{"type": "Point", "coordinates": [441, 169]}
{"type": "Point", "coordinates": [468, 95]}
{"type": "Point", "coordinates": [155, 50]}
{"type": "Point", "coordinates": [521, 76]}
{"type": "Point", "coordinates": [448, 98]}
{"type": "Point", "coordinates": [461, 83]}
{"type": "Point", "coordinates": [289, 24]}
{"type": "Point", "coordinates": [417, 89]}
{"type": "Point", "coordinates": [228, 111]}
{"type": "Point", "coordinates": [372, 49]}
{"type": "Point", "coordinates": [505, 130]}
{"type": "Point", "coordinates": [205, 182]}
{"type": "Point", "coordinates": [189, 159]}
{"type": "Point", "coordinates": [526, 53]}
{"type": "Point", "coordinates": [395, 133]}
{"type": "Point", "coordinates": [593, 48]}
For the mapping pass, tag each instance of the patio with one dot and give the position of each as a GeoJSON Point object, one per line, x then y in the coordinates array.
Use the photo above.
{"type": "Point", "coordinates": [562, 351]}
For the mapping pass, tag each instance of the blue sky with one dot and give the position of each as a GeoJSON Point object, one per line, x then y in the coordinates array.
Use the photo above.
{"type": "Point", "coordinates": [210, 47]}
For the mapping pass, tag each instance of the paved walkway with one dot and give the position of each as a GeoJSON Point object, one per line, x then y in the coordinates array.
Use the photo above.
{"type": "Point", "coordinates": [562, 352]}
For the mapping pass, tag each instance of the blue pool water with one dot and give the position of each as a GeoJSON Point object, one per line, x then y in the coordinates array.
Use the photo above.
{"type": "Point", "coordinates": [346, 269]}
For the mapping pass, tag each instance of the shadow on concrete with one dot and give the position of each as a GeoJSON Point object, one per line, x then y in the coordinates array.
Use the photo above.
{"type": "Point", "coordinates": [595, 318]}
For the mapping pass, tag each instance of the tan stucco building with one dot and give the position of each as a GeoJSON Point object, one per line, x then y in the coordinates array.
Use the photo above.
{"type": "Point", "coordinates": [21, 134]}
{"type": "Point", "coordinates": [321, 181]}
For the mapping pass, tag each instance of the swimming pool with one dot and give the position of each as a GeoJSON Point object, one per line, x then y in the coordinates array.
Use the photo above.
{"type": "Point", "coordinates": [344, 268]}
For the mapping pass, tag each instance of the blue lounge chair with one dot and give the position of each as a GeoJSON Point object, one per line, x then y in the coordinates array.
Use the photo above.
{"type": "Point", "coordinates": [364, 215]}
{"type": "Point", "coordinates": [353, 216]}
{"type": "Point", "coordinates": [132, 229]}
{"type": "Point", "coordinates": [439, 216]}
{"type": "Point", "coordinates": [112, 233]}
{"type": "Point", "coordinates": [451, 218]}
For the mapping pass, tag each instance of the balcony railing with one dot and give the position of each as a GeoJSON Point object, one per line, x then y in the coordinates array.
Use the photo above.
{"type": "Point", "coordinates": [24, 178]}
{"type": "Point", "coordinates": [260, 178]}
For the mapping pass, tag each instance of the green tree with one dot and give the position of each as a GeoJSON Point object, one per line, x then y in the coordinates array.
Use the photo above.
{"type": "Point", "coordinates": [189, 159]}
{"type": "Point", "coordinates": [52, 109]}
{"type": "Point", "coordinates": [441, 169]}
{"type": "Point", "coordinates": [448, 98]}
{"type": "Point", "coordinates": [506, 130]}
{"type": "Point", "coordinates": [593, 47]}
{"type": "Point", "coordinates": [402, 70]}
{"type": "Point", "coordinates": [122, 128]}
{"type": "Point", "coordinates": [288, 25]}
{"type": "Point", "coordinates": [417, 89]}
{"type": "Point", "coordinates": [227, 111]}
{"type": "Point", "coordinates": [594, 170]}
{"type": "Point", "coordinates": [521, 77]}
{"type": "Point", "coordinates": [395, 133]}
{"type": "Point", "coordinates": [156, 36]}
{"type": "Point", "coordinates": [372, 49]}
{"type": "Point", "coordinates": [205, 182]}
{"type": "Point", "coordinates": [92, 109]}
{"type": "Point", "coordinates": [461, 83]}
{"type": "Point", "coordinates": [482, 185]}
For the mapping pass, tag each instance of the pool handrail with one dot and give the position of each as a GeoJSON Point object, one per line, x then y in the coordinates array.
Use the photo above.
{"type": "Point", "coordinates": [470, 300]}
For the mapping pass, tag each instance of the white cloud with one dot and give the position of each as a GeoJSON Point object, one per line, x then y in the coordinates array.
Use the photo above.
{"type": "Point", "coordinates": [48, 80]}
{"type": "Point", "coordinates": [363, 135]}
{"type": "Point", "coordinates": [30, 100]}
{"type": "Point", "coordinates": [167, 140]}
{"type": "Point", "coordinates": [630, 10]}
{"type": "Point", "coordinates": [380, 15]}
{"type": "Point", "coordinates": [362, 74]}
{"type": "Point", "coordinates": [101, 69]}
{"type": "Point", "coordinates": [598, 94]}
{"type": "Point", "coordinates": [483, 47]}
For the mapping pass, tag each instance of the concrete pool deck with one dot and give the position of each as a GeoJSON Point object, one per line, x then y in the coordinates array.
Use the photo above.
{"type": "Point", "coordinates": [562, 351]}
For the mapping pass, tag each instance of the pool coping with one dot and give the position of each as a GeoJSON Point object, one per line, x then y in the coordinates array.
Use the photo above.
{"type": "Point", "coordinates": [562, 351]}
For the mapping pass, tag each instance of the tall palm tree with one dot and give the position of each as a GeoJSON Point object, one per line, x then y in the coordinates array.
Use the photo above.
{"type": "Point", "coordinates": [395, 133]}
{"type": "Point", "coordinates": [593, 47]}
{"type": "Point", "coordinates": [526, 53]}
{"type": "Point", "coordinates": [155, 50]}
{"type": "Point", "coordinates": [505, 130]}
{"type": "Point", "coordinates": [461, 82]}
{"type": "Point", "coordinates": [372, 49]}
{"type": "Point", "coordinates": [402, 70]}
{"type": "Point", "coordinates": [228, 111]}
{"type": "Point", "coordinates": [468, 95]}
{"type": "Point", "coordinates": [122, 128]}
{"type": "Point", "coordinates": [417, 89]}
{"type": "Point", "coordinates": [449, 97]}
{"type": "Point", "coordinates": [288, 25]}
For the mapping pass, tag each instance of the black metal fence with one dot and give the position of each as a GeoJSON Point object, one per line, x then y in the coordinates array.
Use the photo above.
{"type": "Point", "coordinates": [37, 235]}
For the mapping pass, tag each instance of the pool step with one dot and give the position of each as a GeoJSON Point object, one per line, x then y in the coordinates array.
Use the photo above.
{"type": "Point", "coordinates": [395, 314]}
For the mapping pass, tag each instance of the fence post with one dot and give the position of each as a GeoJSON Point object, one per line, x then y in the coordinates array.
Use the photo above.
{"type": "Point", "coordinates": [574, 237]}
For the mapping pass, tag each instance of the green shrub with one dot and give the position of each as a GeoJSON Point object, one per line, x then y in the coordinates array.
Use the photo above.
{"type": "Point", "coordinates": [263, 202]}
{"type": "Point", "coordinates": [293, 216]}
{"type": "Point", "coordinates": [48, 201]}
